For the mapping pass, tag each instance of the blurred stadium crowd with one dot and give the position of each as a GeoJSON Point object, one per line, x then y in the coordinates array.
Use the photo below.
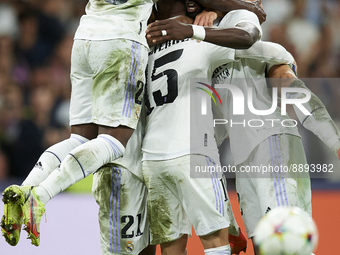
{"type": "Point", "coordinates": [35, 45]}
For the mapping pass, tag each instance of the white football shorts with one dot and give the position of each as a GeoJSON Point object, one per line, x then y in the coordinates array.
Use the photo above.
{"type": "Point", "coordinates": [259, 194]}
{"type": "Point", "coordinates": [107, 80]}
{"type": "Point", "coordinates": [122, 198]}
{"type": "Point", "coordinates": [175, 200]}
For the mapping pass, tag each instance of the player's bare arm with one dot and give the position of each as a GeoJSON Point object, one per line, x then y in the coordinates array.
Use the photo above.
{"type": "Point", "coordinates": [281, 76]}
{"type": "Point", "coordinates": [319, 122]}
{"type": "Point", "coordinates": [228, 5]}
{"type": "Point", "coordinates": [171, 29]}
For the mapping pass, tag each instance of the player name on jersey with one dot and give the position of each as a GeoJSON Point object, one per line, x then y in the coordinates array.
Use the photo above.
{"type": "Point", "coordinates": [165, 45]}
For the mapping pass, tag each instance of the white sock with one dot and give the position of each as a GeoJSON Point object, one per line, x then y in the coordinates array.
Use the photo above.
{"type": "Point", "coordinates": [80, 162]}
{"type": "Point", "coordinates": [222, 250]}
{"type": "Point", "coordinates": [51, 159]}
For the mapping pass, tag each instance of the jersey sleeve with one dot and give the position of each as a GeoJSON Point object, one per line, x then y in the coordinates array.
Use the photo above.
{"type": "Point", "coordinates": [272, 53]}
{"type": "Point", "coordinates": [233, 18]}
{"type": "Point", "coordinates": [219, 55]}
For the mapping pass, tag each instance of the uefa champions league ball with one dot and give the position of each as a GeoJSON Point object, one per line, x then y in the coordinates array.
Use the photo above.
{"type": "Point", "coordinates": [286, 231]}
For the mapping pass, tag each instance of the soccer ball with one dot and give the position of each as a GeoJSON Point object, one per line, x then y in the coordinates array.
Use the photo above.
{"type": "Point", "coordinates": [286, 231]}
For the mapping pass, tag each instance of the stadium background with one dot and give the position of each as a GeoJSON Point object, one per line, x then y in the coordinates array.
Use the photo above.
{"type": "Point", "coordinates": [35, 45]}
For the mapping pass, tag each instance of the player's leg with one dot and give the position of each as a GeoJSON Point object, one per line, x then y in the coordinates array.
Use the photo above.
{"type": "Point", "coordinates": [237, 240]}
{"type": "Point", "coordinates": [201, 198]}
{"type": "Point", "coordinates": [87, 158]}
{"type": "Point", "coordinates": [121, 197]}
{"type": "Point", "coordinates": [118, 74]}
{"type": "Point", "coordinates": [149, 250]}
{"type": "Point", "coordinates": [278, 188]}
{"type": "Point", "coordinates": [54, 155]}
{"type": "Point", "coordinates": [168, 222]}
{"type": "Point", "coordinates": [127, 71]}
{"type": "Point", "coordinates": [250, 187]}
{"type": "Point", "coordinates": [216, 239]}
{"type": "Point", "coordinates": [177, 246]}
{"type": "Point", "coordinates": [118, 83]}
{"type": "Point", "coordinates": [292, 188]}
{"type": "Point", "coordinates": [47, 163]}
{"type": "Point", "coordinates": [213, 230]}
{"type": "Point", "coordinates": [81, 132]}
{"type": "Point", "coordinates": [248, 203]}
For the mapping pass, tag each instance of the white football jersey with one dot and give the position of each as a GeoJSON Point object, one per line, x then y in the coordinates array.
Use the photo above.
{"type": "Point", "coordinates": [172, 100]}
{"type": "Point", "coordinates": [112, 19]}
{"type": "Point", "coordinates": [233, 18]}
{"type": "Point", "coordinates": [250, 73]}
{"type": "Point", "coordinates": [169, 131]}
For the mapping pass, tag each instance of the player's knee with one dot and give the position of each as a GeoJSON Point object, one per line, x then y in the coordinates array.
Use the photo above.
{"type": "Point", "coordinates": [175, 247]}
{"type": "Point", "coordinates": [215, 239]}
{"type": "Point", "coordinates": [121, 133]}
{"type": "Point", "coordinates": [89, 131]}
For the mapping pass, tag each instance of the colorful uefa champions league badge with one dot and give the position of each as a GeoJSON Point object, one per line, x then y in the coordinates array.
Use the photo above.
{"type": "Point", "coordinates": [137, 113]}
{"type": "Point", "coordinates": [129, 246]}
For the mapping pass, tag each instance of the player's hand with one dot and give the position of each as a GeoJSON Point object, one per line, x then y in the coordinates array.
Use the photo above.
{"type": "Point", "coordinates": [169, 29]}
{"type": "Point", "coordinates": [205, 18]}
